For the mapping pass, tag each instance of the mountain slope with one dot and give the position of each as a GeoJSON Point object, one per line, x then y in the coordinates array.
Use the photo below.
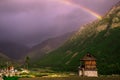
{"type": "Point", "coordinates": [101, 38]}
{"type": "Point", "coordinates": [3, 60]}
{"type": "Point", "coordinates": [3, 57]}
{"type": "Point", "coordinates": [13, 50]}
{"type": "Point", "coordinates": [47, 46]}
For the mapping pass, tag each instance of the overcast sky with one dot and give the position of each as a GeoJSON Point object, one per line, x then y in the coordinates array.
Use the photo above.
{"type": "Point", "coordinates": [31, 21]}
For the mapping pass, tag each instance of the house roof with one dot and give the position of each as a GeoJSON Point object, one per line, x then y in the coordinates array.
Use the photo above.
{"type": "Point", "coordinates": [88, 57]}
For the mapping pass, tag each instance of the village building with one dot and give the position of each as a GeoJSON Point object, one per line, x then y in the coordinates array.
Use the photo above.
{"type": "Point", "coordinates": [88, 66]}
{"type": "Point", "coordinates": [8, 71]}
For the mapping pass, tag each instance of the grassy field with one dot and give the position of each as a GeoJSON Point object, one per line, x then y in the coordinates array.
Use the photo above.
{"type": "Point", "coordinates": [72, 78]}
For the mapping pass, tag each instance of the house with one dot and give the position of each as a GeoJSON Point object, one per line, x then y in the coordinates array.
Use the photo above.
{"type": "Point", "coordinates": [88, 66]}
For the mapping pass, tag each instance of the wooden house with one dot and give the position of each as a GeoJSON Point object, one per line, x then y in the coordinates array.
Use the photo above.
{"type": "Point", "coordinates": [88, 66]}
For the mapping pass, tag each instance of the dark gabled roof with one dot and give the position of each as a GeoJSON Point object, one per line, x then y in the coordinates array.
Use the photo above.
{"type": "Point", "coordinates": [88, 57]}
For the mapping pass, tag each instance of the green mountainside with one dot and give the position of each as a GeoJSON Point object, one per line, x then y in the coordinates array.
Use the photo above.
{"type": "Point", "coordinates": [101, 38]}
{"type": "Point", "coordinates": [47, 46]}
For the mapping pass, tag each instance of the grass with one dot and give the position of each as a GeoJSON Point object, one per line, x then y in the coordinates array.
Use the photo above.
{"type": "Point", "coordinates": [73, 78]}
{"type": "Point", "coordinates": [66, 78]}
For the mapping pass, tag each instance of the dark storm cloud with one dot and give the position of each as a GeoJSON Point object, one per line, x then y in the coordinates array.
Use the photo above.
{"type": "Point", "coordinates": [31, 21]}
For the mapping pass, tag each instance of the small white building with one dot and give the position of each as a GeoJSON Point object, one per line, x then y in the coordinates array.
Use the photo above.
{"type": "Point", "coordinates": [1, 76]}
{"type": "Point", "coordinates": [88, 67]}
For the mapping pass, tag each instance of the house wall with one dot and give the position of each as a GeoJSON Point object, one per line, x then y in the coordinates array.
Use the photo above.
{"type": "Point", "coordinates": [88, 73]}
{"type": "Point", "coordinates": [91, 73]}
{"type": "Point", "coordinates": [80, 72]}
{"type": "Point", "coordinates": [90, 64]}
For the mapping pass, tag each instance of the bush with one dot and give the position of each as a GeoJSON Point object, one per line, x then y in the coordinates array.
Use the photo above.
{"type": "Point", "coordinates": [10, 78]}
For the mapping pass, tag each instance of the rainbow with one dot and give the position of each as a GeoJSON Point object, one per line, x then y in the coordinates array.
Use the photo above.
{"type": "Point", "coordinates": [82, 7]}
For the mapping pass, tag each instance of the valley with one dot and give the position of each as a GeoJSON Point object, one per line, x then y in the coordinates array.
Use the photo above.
{"type": "Point", "coordinates": [90, 53]}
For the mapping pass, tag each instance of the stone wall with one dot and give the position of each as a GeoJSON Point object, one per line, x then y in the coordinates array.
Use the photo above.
{"type": "Point", "coordinates": [88, 73]}
{"type": "Point", "coordinates": [91, 73]}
